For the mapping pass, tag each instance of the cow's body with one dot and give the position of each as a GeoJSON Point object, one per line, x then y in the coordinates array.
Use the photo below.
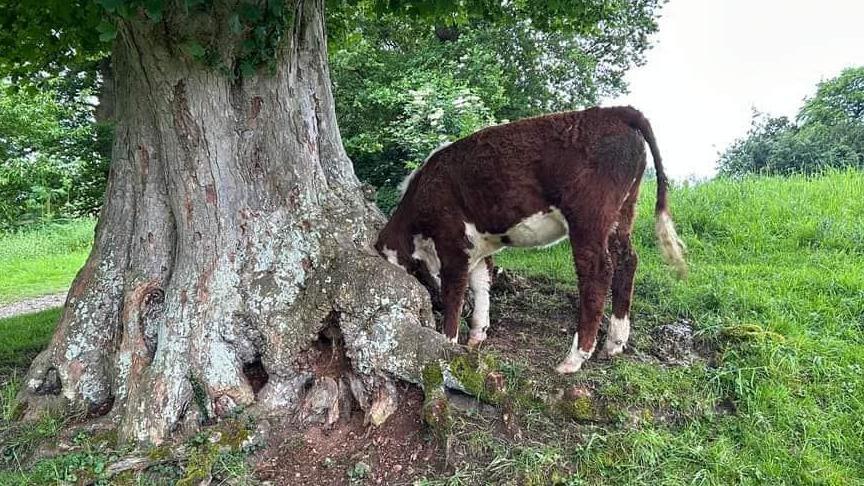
{"type": "Point", "coordinates": [532, 183]}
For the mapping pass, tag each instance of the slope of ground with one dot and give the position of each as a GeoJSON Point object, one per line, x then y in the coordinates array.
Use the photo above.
{"type": "Point", "coordinates": [771, 391]}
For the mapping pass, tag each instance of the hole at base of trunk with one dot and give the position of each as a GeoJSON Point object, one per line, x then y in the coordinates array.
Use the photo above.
{"type": "Point", "coordinates": [255, 374]}
{"type": "Point", "coordinates": [327, 357]}
{"type": "Point", "coordinates": [100, 409]}
{"type": "Point", "coordinates": [50, 384]}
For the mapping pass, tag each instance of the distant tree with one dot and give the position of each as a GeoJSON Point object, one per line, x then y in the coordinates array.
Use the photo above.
{"type": "Point", "coordinates": [837, 101]}
{"type": "Point", "coordinates": [828, 132]}
{"type": "Point", "coordinates": [53, 156]}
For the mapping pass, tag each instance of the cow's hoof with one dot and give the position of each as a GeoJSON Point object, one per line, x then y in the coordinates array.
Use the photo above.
{"type": "Point", "coordinates": [474, 339]}
{"type": "Point", "coordinates": [611, 350]}
{"type": "Point", "coordinates": [567, 367]}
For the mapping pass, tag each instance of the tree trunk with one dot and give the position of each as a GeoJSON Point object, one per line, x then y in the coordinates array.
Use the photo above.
{"type": "Point", "coordinates": [232, 239]}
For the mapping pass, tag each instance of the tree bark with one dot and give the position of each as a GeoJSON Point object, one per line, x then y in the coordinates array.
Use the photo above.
{"type": "Point", "coordinates": [232, 239]}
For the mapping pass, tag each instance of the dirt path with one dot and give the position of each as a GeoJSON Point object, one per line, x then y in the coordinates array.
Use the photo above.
{"type": "Point", "coordinates": [35, 304]}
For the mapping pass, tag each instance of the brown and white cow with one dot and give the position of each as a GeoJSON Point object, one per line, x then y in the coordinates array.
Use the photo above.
{"type": "Point", "coordinates": [532, 183]}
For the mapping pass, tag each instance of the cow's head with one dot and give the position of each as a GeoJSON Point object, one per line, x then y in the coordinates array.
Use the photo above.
{"type": "Point", "coordinates": [417, 256]}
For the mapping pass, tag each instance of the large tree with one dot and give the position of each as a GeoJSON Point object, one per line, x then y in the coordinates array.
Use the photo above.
{"type": "Point", "coordinates": [234, 230]}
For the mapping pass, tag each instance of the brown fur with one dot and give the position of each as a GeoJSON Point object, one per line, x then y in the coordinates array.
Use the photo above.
{"type": "Point", "coordinates": [586, 163]}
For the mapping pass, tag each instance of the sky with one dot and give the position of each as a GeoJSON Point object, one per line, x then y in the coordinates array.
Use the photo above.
{"type": "Point", "coordinates": [714, 61]}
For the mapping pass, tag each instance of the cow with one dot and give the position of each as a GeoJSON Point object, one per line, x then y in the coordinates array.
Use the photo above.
{"type": "Point", "coordinates": [532, 183]}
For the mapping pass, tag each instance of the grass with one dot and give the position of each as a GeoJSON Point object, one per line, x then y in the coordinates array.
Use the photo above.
{"type": "Point", "coordinates": [42, 260]}
{"type": "Point", "coordinates": [777, 284]}
{"type": "Point", "coordinates": [22, 337]}
{"type": "Point", "coordinates": [776, 291]}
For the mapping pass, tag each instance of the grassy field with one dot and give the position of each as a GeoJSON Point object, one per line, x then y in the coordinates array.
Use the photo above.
{"type": "Point", "coordinates": [42, 260]}
{"type": "Point", "coordinates": [775, 293]}
{"type": "Point", "coordinates": [777, 283]}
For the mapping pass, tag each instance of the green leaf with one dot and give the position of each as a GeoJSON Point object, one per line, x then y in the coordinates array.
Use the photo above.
{"type": "Point", "coordinates": [247, 68]}
{"type": "Point", "coordinates": [110, 5]}
{"type": "Point", "coordinates": [194, 3]}
{"type": "Point", "coordinates": [260, 34]}
{"type": "Point", "coordinates": [250, 13]}
{"type": "Point", "coordinates": [276, 7]}
{"type": "Point", "coordinates": [154, 9]}
{"type": "Point", "coordinates": [107, 31]}
{"type": "Point", "coordinates": [234, 24]}
{"type": "Point", "coordinates": [248, 46]}
{"type": "Point", "coordinates": [193, 49]}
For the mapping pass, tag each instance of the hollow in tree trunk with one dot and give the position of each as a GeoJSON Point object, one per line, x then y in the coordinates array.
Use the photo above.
{"type": "Point", "coordinates": [232, 237]}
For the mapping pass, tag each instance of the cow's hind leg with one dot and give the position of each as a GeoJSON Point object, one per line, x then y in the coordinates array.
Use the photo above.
{"type": "Point", "coordinates": [624, 260]}
{"type": "Point", "coordinates": [622, 295]}
{"type": "Point", "coordinates": [594, 270]}
{"type": "Point", "coordinates": [480, 281]}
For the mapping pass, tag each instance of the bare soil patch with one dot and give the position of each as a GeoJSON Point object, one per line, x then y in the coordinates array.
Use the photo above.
{"type": "Point", "coordinates": [398, 452]}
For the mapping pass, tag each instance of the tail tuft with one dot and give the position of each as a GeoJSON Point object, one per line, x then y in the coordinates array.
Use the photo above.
{"type": "Point", "coordinates": [671, 247]}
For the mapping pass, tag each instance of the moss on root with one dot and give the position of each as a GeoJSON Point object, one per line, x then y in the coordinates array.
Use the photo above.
{"type": "Point", "coordinates": [472, 370]}
{"type": "Point", "coordinates": [437, 414]}
{"type": "Point", "coordinates": [433, 378]}
{"type": "Point", "coordinates": [206, 447]}
{"type": "Point", "coordinates": [160, 453]}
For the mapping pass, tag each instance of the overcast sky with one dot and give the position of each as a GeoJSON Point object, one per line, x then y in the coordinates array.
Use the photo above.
{"type": "Point", "coordinates": [713, 61]}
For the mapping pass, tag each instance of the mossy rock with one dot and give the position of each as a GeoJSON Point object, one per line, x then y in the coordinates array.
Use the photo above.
{"type": "Point", "coordinates": [471, 370]}
{"type": "Point", "coordinates": [107, 438]}
{"type": "Point", "coordinates": [583, 409]}
{"type": "Point", "coordinates": [234, 434]}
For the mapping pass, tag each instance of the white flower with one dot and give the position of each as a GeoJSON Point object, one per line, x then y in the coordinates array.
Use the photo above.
{"type": "Point", "coordinates": [436, 115]}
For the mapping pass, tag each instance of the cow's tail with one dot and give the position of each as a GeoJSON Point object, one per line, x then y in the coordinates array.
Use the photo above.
{"type": "Point", "coordinates": [671, 247]}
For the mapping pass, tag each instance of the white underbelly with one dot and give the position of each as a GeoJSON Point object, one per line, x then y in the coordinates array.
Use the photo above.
{"type": "Point", "coordinates": [541, 229]}
{"type": "Point", "coordinates": [537, 230]}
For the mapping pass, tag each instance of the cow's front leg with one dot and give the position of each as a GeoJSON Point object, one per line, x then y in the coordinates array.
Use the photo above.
{"type": "Point", "coordinates": [480, 281]}
{"type": "Point", "coordinates": [454, 281]}
{"type": "Point", "coordinates": [594, 270]}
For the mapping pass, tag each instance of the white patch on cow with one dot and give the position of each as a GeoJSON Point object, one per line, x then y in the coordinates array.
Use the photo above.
{"type": "Point", "coordinates": [540, 229]}
{"type": "Point", "coordinates": [671, 246]}
{"type": "Point", "coordinates": [482, 244]}
{"type": "Point", "coordinates": [619, 333]}
{"type": "Point", "coordinates": [391, 257]}
{"type": "Point", "coordinates": [403, 186]}
{"type": "Point", "coordinates": [424, 250]}
{"type": "Point", "coordinates": [575, 358]}
{"type": "Point", "coordinates": [480, 282]}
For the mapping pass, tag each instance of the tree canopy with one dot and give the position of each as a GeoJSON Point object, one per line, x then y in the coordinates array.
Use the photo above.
{"type": "Point", "coordinates": [403, 86]}
{"type": "Point", "coordinates": [49, 36]}
{"type": "Point", "coordinates": [828, 131]}
{"type": "Point", "coordinates": [407, 75]}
